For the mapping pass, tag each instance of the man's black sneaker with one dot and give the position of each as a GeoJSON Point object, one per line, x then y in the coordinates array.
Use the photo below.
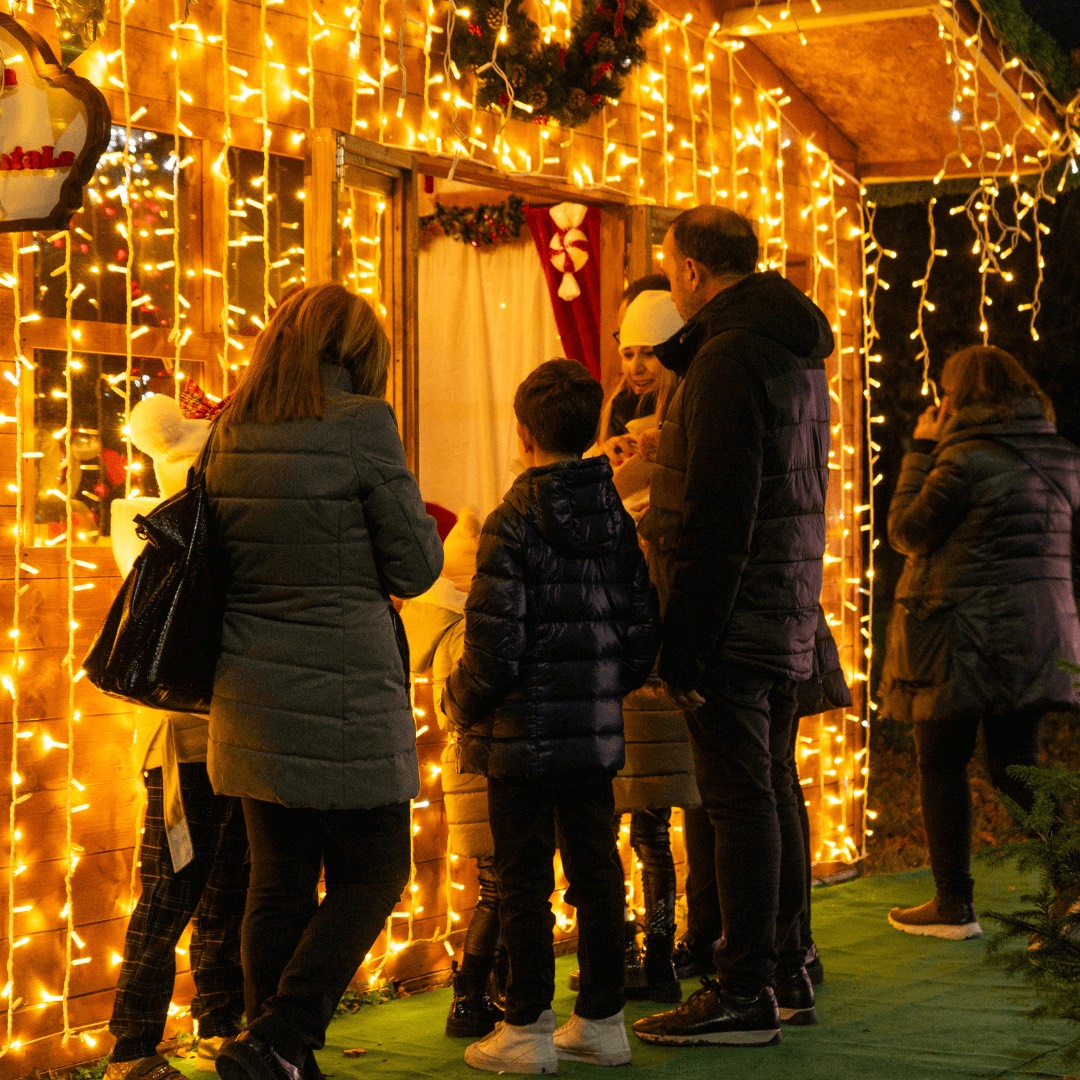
{"type": "Point", "coordinates": [250, 1057]}
{"type": "Point", "coordinates": [715, 1016]}
{"type": "Point", "coordinates": [692, 960]}
{"type": "Point", "coordinates": [795, 996]}
{"type": "Point", "coordinates": [814, 966]}
{"type": "Point", "coordinates": [941, 917]}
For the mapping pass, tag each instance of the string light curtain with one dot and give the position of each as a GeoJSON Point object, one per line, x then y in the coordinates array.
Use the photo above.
{"type": "Point", "coordinates": [188, 245]}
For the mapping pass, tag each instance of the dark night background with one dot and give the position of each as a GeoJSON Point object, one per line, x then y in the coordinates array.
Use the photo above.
{"type": "Point", "coordinates": [1060, 17]}
{"type": "Point", "coordinates": [954, 289]}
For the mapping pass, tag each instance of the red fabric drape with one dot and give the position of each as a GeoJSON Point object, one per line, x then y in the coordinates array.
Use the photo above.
{"type": "Point", "coordinates": [577, 320]}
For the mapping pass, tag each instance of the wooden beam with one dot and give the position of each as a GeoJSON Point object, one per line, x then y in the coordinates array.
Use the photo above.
{"type": "Point", "coordinates": [904, 172]}
{"type": "Point", "coordinates": [803, 15]}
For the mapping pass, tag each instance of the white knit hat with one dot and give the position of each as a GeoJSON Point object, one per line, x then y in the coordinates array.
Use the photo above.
{"type": "Point", "coordinates": [650, 318]}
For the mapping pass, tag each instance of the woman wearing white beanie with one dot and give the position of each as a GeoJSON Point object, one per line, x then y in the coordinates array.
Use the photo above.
{"type": "Point", "coordinates": [649, 318]}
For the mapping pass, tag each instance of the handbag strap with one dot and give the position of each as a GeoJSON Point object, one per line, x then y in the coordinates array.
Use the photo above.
{"type": "Point", "coordinates": [1050, 481]}
{"type": "Point", "coordinates": [198, 466]}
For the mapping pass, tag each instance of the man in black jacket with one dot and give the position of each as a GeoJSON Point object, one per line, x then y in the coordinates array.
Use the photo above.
{"type": "Point", "coordinates": [737, 533]}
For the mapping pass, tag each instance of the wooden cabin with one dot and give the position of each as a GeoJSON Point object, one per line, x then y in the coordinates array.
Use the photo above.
{"type": "Point", "coordinates": [257, 145]}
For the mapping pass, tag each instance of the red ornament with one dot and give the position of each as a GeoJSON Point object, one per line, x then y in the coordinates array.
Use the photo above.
{"type": "Point", "coordinates": [504, 99]}
{"type": "Point", "coordinates": [476, 30]}
{"type": "Point", "coordinates": [599, 72]}
{"type": "Point", "coordinates": [596, 98]}
{"type": "Point", "coordinates": [620, 11]}
{"type": "Point", "coordinates": [591, 40]}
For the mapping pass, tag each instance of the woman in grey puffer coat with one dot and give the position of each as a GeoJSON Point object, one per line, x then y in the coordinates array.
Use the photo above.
{"type": "Point", "coordinates": [987, 511]}
{"type": "Point", "coordinates": [320, 522]}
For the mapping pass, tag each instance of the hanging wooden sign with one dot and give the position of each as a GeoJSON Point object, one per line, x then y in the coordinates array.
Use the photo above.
{"type": "Point", "coordinates": [54, 126]}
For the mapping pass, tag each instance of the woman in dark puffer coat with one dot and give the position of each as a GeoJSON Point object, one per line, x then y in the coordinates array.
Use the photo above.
{"type": "Point", "coordinates": [320, 522]}
{"type": "Point", "coordinates": [987, 511]}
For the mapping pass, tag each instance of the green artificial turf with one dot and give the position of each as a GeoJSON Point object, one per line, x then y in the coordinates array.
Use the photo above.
{"type": "Point", "coordinates": [893, 1007]}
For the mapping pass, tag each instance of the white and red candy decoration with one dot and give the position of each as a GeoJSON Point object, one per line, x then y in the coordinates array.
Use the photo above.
{"type": "Point", "coordinates": [569, 246]}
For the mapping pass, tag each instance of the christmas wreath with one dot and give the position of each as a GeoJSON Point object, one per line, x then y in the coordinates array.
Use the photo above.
{"type": "Point", "coordinates": [481, 226]}
{"type": "Point", "coordinates": [566, 81]}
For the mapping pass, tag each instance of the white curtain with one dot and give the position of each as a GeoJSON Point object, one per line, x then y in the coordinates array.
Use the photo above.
{"type": "Point", "coordinates": [485, 323]}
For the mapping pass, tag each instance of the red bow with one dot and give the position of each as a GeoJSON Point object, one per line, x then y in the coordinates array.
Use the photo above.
{"type": "Point", "coordinates": [195, 405]}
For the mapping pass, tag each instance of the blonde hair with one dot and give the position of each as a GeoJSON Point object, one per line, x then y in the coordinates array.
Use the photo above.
{"type": "Point", "coordinates": [323, 323]}
{"type": "Point", "coordinates": [989, 376]}
{"type": "Point", "coordinates": [664, 390]}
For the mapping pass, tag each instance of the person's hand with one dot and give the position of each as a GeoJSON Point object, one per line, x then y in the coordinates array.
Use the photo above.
{"type": "Point", "coordinates": [618, 448]}
{"type": "Point", "coordinates": [648, 442]}
{"type": "Point", "coordinates": [684, 699]}
{"type": "Point", "coordinates": [932, 420]}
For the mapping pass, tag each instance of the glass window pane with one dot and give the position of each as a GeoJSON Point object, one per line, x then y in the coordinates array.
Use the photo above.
{"type": "Point", "coordinates": [99, 248]}
{"type": "Point", "coordinates": [248, 285]}
{"type": "Point", "coordinates": [99, 447]}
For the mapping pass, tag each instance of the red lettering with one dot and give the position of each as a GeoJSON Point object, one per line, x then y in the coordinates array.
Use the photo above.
{"type": "Point", "coordinates": [35, 160]}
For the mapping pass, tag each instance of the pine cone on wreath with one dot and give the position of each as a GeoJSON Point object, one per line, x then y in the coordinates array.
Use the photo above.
{"type": "Point", "coordinates": [576, 99]}
{"type": "Point", "coordinates": [494, 16]}
{"type": "Point", "coordinates": [517, 74]}
{"type": "Point", "coordinates": [605, 48]}
{"type": "Point", "coordinates": [632, 9]}
{"type": "Point", "coordinates": [538, 98]}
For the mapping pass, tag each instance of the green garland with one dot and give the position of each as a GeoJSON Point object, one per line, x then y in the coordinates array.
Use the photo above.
{"type": "Point", "coordinates": [481, 226]}
{"type": "Point", "coordinates": [563, 81]}
{"type": "Point", "coordinates": [1027, 40]}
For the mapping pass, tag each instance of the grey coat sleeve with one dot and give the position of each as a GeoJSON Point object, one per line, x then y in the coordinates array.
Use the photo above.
{"type": "Point", "coordinates": [407, 547]}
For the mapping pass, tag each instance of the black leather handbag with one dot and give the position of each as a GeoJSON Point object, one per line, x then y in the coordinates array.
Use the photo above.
{"type": "Point", "coordinates": [160, 642]}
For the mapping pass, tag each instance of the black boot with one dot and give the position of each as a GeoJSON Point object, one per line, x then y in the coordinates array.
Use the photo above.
{"type": "Point", "coordinates": [661, 982]}
{"type": "Point", "coordinates": [472, 1012]}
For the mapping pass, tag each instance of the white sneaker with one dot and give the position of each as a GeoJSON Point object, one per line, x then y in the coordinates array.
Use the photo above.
{"type": "Point", "coordinates": [206, 1054]}
{"type": "Point", "coordinates": [517, 1048]}
{"type": "Point", "coordinates": [596, 1042]}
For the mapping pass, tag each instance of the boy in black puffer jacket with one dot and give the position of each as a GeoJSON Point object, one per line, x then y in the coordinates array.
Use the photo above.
{"type": "Point", "coordinates": [560, 624]}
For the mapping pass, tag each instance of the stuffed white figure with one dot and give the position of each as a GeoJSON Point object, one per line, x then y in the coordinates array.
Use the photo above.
{"type": "Point", "coordinates": [157, 427]}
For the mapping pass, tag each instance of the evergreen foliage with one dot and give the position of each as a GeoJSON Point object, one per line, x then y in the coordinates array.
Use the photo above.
{"type": "Point", "coordinates": [563, 81]}
{"type": "Point", "coordinates": [1040, 940]}
{"type": "Point", "coordinates": [1030, 42]}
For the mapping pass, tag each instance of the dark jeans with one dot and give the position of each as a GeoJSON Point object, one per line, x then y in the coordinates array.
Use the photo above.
{"type": "Point", "coordinates": [806, 936]}
{"type": "Point", "coordinates": [209, 890]}
{"type": "Point", "coordinates": [741, 738]}
{"type": "Point", "coordinates": [704, 922]}
{"type": "Point", "coordinates": [945, 747]}
{"type": "Point", "coordinates": [300, 955]}
{"type": "Point", "coordinates": [523, 820]}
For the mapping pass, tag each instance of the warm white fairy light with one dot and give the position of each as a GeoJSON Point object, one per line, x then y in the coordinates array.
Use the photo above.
{"type": "Point", "coordinates": [657, 142]}
{"type": "Point", "coordinates": [70, 663]}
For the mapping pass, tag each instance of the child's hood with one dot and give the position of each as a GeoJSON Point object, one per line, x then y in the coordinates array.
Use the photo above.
{"type": "Point", "coordinates": [573, 505]}
{"type": "Point", "coordinates": [427, 620]}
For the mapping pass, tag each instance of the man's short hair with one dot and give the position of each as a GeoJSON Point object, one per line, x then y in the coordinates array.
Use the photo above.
{"type": "Point", "coordinates": [723, 241]}
{"type": "Point", "coordinates": [648, 283]}
{"type": "Point", "coordinates": [560, 404]}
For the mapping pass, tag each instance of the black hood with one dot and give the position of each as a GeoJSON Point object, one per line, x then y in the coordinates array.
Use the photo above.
{"type": "Point", "coordinates": [764, 304]}
{"type": "Point", "coordinates": [572, 504]}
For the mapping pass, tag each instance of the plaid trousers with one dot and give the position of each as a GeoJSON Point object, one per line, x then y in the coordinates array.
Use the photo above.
{"type": "Point", "coordinates": [210, 890]}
